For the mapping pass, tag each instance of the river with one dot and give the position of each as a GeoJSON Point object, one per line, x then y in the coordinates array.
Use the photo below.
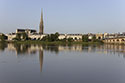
{"type": "Point", "coordinates": [21, 63]}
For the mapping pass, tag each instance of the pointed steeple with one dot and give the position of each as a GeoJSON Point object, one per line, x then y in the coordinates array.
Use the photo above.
{"type": "Point", "coordinates": [41, 26]}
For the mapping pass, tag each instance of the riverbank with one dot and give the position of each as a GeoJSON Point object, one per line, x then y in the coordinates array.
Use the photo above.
{"type": "Point", "coordinates": [55, 42]}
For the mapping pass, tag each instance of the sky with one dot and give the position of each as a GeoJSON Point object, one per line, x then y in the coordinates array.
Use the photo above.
{"type": "Point", "coordinates": [63, 16]}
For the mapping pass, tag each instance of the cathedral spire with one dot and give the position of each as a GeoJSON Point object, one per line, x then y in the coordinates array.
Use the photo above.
{"type": "Point", "coordinates": [41, 26]}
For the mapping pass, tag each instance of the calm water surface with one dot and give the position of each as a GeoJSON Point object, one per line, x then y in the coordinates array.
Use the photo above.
{"type": "Point", "coordinates": [21, 63]}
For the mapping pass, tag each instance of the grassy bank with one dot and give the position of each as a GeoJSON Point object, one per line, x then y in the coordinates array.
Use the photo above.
{"type": "Point", "coordinates": [55, 42]}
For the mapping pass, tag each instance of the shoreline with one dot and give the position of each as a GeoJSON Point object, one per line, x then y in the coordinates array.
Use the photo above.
{"type": "Point", "coordinates": [58, 42]}
{"type": "Point", "coordinates": [54, 42]}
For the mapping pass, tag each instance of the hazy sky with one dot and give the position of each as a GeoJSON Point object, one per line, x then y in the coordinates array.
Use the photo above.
{"type": "Point", "coordinates": [63, 16]}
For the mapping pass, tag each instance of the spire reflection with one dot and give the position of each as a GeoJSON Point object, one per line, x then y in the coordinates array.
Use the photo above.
{"type": "Point", "coordinates": [41, 59]}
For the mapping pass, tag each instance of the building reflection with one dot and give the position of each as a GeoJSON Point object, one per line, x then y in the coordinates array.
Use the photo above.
{"type": "Point", "coordinates": [23, 50]}
{"type": "Point", "coordinates": [32, 48]}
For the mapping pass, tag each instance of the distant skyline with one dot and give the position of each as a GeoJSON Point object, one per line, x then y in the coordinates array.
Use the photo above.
{"type": "Point", "coordinates": [63, 16]}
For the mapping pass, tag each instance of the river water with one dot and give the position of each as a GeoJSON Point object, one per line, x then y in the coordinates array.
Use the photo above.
{"type": "Point", "coordinates": [21, 63]}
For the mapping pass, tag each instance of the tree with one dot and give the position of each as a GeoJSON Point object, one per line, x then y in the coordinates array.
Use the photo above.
{"type": "Point", "coordinates": [18, 37]}
{"type": "Point", "coordinates": [56, 36]}
{"type": "Point", "coordinates": [3, 37]}
{"type": "Point", "coordinates": [94, 38]}
{"type": "Point", "coordinates": [24, 36]}
{"type": "Point", "coordinates": [70, 39]}
{"type": "Point", "coordinates": [85, 38]}
{"type": "Point", "coordinates": [51, 37]}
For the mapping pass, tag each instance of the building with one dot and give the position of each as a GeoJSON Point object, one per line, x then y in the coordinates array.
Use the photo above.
{"type": "Point", "coordinates": [11, 36]}
{"type": "Point", "coordinates": [36, 36]}
{"type": "Point", "coordinates": [90, 36]}
{"type": "Point", "coordinates": [117, 40]}
{"type": "Point", "coordinates": [28, 31]}
{"type": "Point", "coordinates": [114, 35]}
{"type": "Point", "coordinates": [73, 36]}
{"type": "Point", "coordinates": [62, 36]}
{"type": "Point", "coordinates": [100, 36]}
{"type": "Point", "coordinates": [41, 26]}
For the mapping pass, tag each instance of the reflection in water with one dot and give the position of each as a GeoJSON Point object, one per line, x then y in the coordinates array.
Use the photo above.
{"type": "Point", "coordinates": [41, 59]}
{"type": "Point", "coordinates": [3, 46]}
{"type": "Point", "coordinates": [24, 49]}
{"type": "Point", "coordinates": [52, 48]}
{"type": "Point", "coordinates": [33, 48]}
{"type": "Point", "coordinates": [92, 64]}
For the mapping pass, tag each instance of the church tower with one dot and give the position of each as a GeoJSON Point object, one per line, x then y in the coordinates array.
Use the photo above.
{"type": "Point", "coordinates": [41, 26]}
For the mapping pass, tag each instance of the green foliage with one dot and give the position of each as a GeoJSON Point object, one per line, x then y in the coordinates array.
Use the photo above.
{"type": "Point", "coordinates": [3, 45]}
{"type": "Point", "coordinates": [56, 36]}
{"type": "Point", "coordinates": [94, 39]}
{"type": "Point", "coordinates": [3, 37]}
{"type": "Point", "coordinates": [63, 40]}
{"type": "Point", "coordinates": [18, 37]}
{"type": "Point", "coordinates": [70, 39]}
{"type": "Point", "coordinates": [51, 37]}
{"type": "Point", "coordinates": [21, 48]}
{"type": "Point", "coordinates": [85, 38]}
